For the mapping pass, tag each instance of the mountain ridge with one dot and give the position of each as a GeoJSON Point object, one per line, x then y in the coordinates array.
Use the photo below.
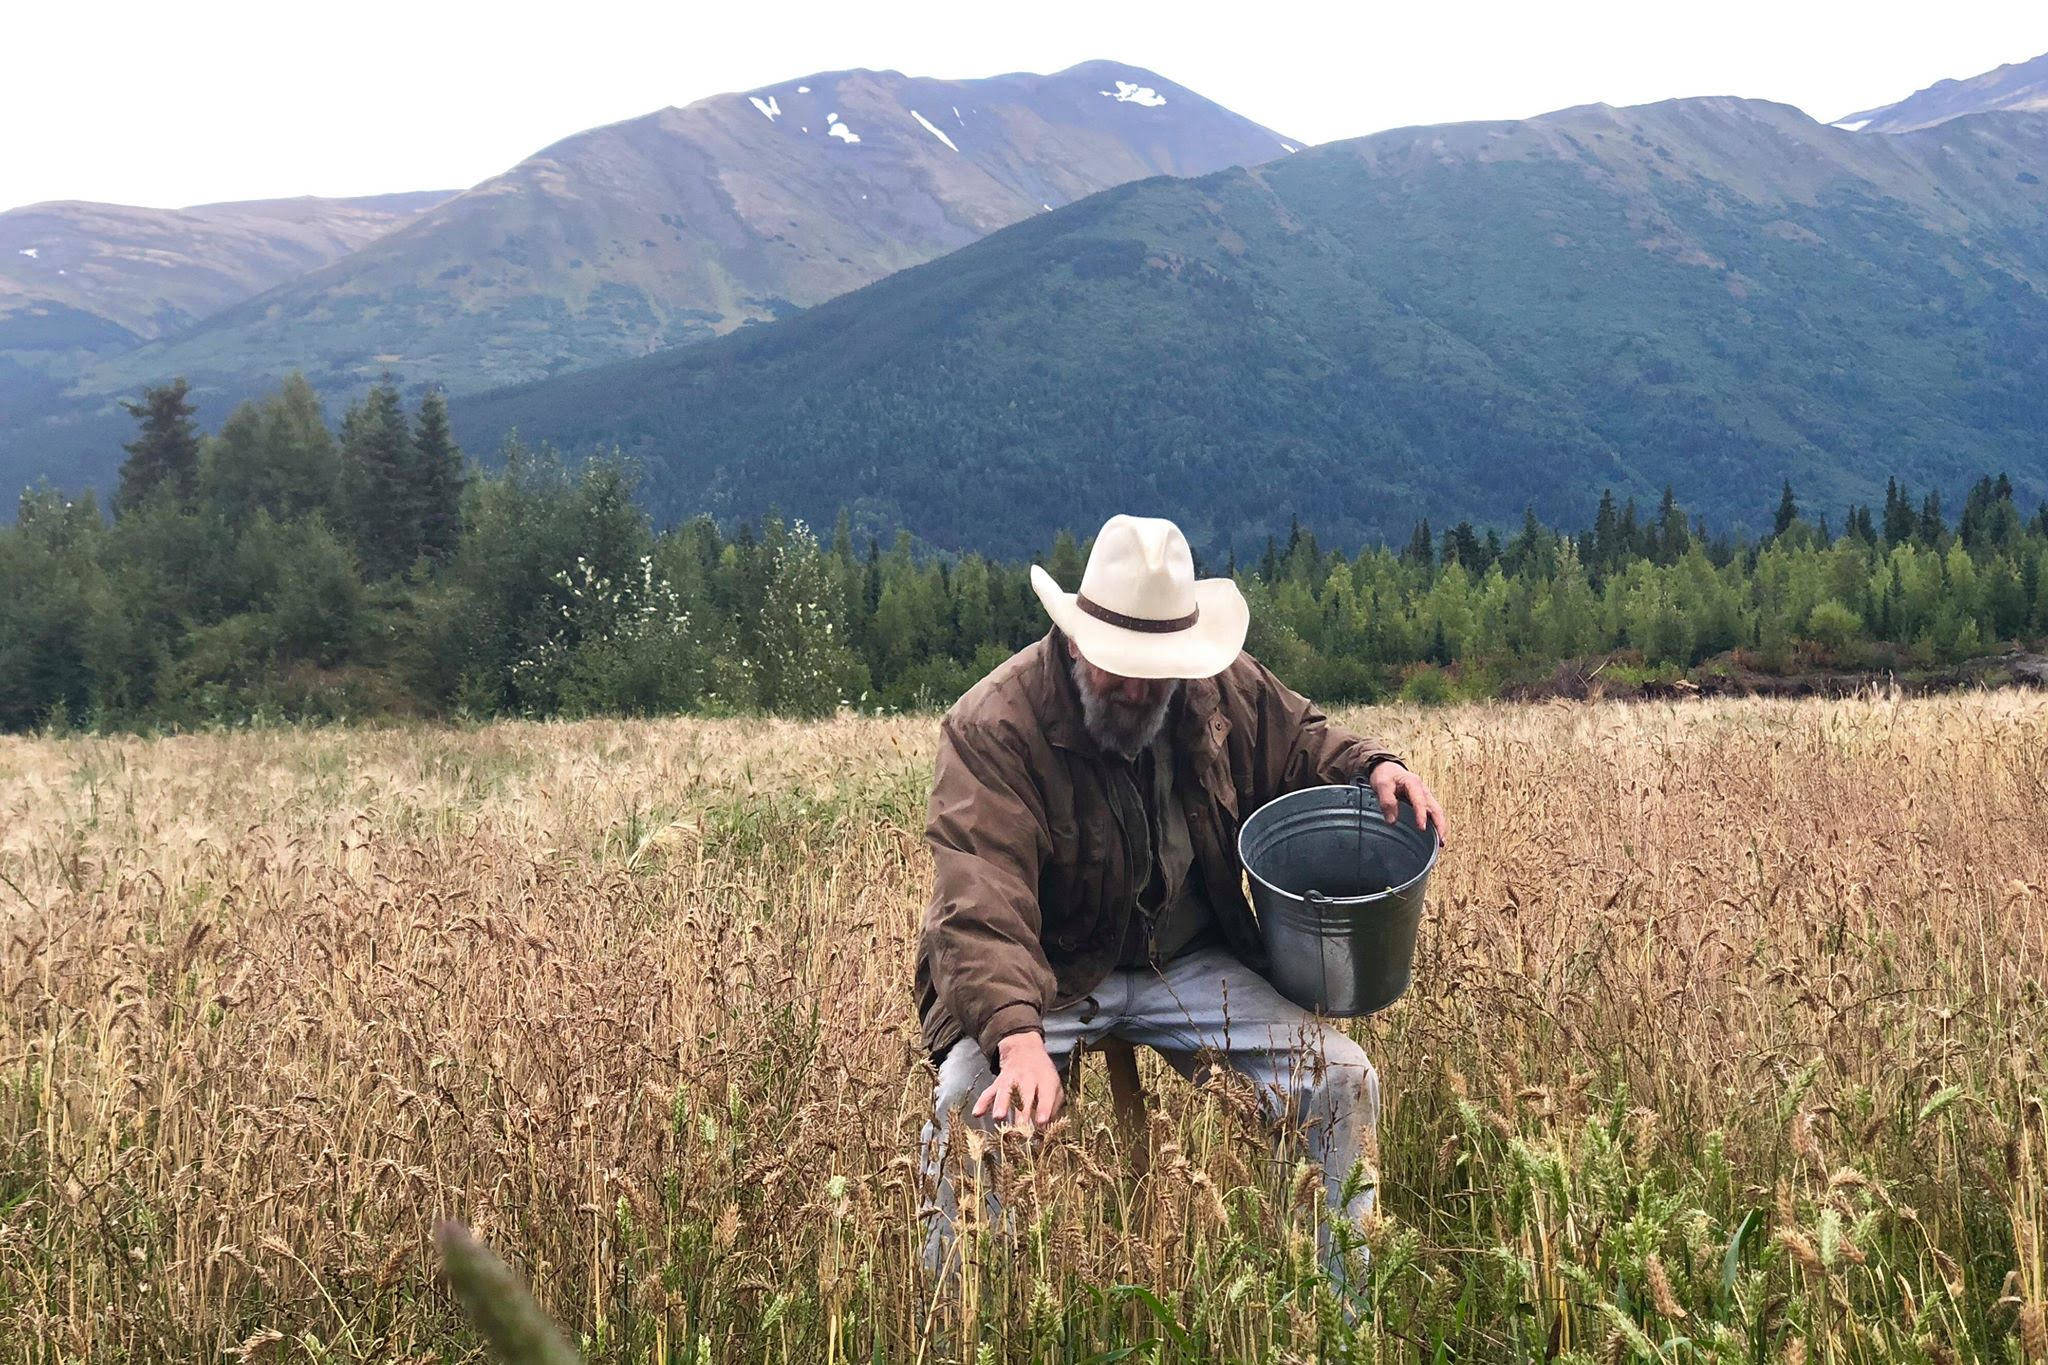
{"type": "Point", "coordinates": [80, 279]}
{"type": "Point", "coordinates": [2016, 87]}
{"type": "Point", "coordinates": [1445, 322]}
{"type": "Point", "coordinates": [693, 220]}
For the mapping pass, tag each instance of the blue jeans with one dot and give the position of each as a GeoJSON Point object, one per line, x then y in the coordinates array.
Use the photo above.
{"type": "Point", "coordinates": [1310, 1076]}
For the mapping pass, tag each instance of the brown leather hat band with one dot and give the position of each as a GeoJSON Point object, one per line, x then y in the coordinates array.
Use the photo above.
{"type": "Point", "coordinates": [1145, 624]}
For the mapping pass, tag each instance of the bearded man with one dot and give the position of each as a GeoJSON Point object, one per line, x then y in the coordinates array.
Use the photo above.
{"type": "Point", "coordinates": [1083, 823]}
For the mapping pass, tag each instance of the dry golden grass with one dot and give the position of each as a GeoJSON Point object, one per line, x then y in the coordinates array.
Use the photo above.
{"type": "Point", "coordinates": [1729, 1029]}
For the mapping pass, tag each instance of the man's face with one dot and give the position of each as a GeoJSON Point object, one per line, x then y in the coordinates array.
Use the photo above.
{"type": "Point", "coordinates": [1122, 714]}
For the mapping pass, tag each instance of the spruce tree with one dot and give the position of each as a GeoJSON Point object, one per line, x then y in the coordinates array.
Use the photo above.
{"type": "Point", "coordinates": [1631, 533]}
{"type": "Point", "coordinates": [165, 455]}
{"type": "Point", "coordinates": [1932, 529]}
{"type": "Point", "coordinates": [1898, 514]}
{"type": "Point", "coordinates": [1421, 547]}
{"type": "Point", "coordinates": [377, 460]}
{"type": "Point", "coordinates": [1524, 552]}
{"type": "Point", "coordinates": [436, 480]}
{"type": "Point", "coordinates": [1668, 537]}
{"type": "Point", "coordinates": [1462, 544]}
{"type": "Point", "coordinates": [1607, 546]}
{"type": "Point", "coordinates": [1788, 512]}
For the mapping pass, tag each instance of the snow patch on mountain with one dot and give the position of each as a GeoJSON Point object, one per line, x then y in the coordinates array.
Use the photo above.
{"type": "Point", "coordinates": [1290, 147]}
{"type": "Point", "coordinates": [1128, 93]}
{"type": "Point", "coordinates": [803, 90]}
{"type": "Point", "coordinates": [934, 130]}
{"type": "Point", "coordinates": [1858, 126]}
{"type": "Point", "coordinates": [770, 110]}
{"type": "Point", "coordinates": [29, 252]}
{"type": "Point", "coordinates": [834, 128]}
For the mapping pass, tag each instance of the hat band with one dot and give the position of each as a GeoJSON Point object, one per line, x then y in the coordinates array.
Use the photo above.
{"type": "Point", "coordinates": [1144, 623]}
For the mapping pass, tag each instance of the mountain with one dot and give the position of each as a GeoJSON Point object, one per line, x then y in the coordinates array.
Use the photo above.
{"type": "Point", "coordinates": [690, 222]}
{"type": "Point", "coordinates": [1441, 322]}
{"type": "Point", "coordinates": [80, 281]}
{"type": "Point", "coordinates": [2021, 87]}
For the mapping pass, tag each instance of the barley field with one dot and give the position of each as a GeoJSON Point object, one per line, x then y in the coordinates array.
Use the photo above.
{"type": "Point", "coordinates": [1729, 1042]}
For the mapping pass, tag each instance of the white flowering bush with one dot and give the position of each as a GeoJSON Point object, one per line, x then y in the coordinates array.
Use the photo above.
{"type": "Point", "coordinates": [621, 644]}
{"type": "Point", "coordinates": [805, 666]}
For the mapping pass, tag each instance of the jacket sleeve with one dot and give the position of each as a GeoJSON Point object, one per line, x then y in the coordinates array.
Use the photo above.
{"type": "Point", "coordinates": [987, 833]}
{"type": "Point", "coordinates": [1299, 747]}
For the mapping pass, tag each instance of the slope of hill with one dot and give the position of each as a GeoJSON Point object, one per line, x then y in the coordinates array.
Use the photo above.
{"type": "Point", "coordinates": [80, 281]}
{"type": "Point", "coordinates": [2018, 87]}
{"type": "Point", "coordinates": [1446, 322]}
{"type": "Point", "coordinates": [690, 222]}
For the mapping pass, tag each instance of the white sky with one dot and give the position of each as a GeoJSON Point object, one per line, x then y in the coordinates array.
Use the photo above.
{"type": "Point", "coordinates": [208, 99]}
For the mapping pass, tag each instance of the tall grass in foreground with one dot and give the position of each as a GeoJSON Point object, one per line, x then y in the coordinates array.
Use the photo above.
{"type": "Point", "coordinates": [1727, 1044]}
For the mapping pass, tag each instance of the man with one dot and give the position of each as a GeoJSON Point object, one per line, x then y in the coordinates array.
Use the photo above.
{"type": "Point", "coordinates": [1083, 823]}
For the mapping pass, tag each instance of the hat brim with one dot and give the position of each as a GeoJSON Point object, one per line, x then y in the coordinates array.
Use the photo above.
{"type": "Point", "coordinates": [1202, 650]}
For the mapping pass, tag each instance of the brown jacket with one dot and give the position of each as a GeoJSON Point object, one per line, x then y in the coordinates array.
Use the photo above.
{"type": "Point", "coordinates": [1031, 828]}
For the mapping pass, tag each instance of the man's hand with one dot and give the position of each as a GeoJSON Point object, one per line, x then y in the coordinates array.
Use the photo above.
{"type": "Point", "coordinates": [1393, 783]}
{"type": "Point", "coordinates": [1027, 1092]}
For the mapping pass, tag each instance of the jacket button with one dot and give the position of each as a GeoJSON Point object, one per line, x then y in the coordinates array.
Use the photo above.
{"type": "Point", "coordinates": [1065, 942]}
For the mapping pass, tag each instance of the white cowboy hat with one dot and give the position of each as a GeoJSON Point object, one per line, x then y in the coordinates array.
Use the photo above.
{"type": "Point", "coordinates": [1140, 613]}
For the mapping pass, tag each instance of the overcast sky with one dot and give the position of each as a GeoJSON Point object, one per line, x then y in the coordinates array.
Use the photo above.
{"type": "Point", "coordinates": [202, 101]}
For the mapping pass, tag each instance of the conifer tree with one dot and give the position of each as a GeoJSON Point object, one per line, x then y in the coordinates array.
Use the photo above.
{"type": "Point", "coordinates": [1525, 552]}
{"type": "Point", "coordinates": [1421, 547]}
{"type": "Point", "coordinates": [1630, 532]}
{"type": "Point", "coordinates": [1607, 548]}
{"type": "Point", "coordinates": [1931, 529]}
{"type": "Point", "coordinates": [1898, 514]}
{"type": "Point", "coordinates": [1669, 537]}
{"type": "Point", "coordinates": [165, 454]}
{"type": "Point", "coordinates": [377, 462]}
{"type": "Point", "coordinates": [436, 480]}
{"type": "Point", "coordinates": [1462, 544]}
{"type": "Point", "coordinates": [1788, 512]}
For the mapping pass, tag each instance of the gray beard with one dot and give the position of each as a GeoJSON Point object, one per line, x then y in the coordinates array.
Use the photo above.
{"type": "Point", "coordinates": [1120, 729]}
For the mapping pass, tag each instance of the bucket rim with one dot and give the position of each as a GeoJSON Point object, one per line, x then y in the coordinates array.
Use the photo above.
{"type": "Point", "coordinates": [1436, 847]}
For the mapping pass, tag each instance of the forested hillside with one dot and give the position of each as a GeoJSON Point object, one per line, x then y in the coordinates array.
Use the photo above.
{"type": "Point", "coordinates": [1442, 322]}
{"type": "Point", "coordinates": [280, 568]}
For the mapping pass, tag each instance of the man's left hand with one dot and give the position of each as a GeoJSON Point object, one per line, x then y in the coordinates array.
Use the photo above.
{"type": "Point", "coordinates": [1393, 784]}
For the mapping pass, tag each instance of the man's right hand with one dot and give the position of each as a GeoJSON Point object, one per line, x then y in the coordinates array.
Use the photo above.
{"type": "Point", "coordinates": [1027, 1091]}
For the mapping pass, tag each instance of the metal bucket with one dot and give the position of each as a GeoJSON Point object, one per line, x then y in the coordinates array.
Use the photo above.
{"type": "Point", "coordinates": [1339, 895]}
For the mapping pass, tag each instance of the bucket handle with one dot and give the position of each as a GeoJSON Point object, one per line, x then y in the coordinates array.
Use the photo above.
{"type": "Point", "coordinates": [1322, 907]}
{"type": "Point", "coordinates": [1360, 785]}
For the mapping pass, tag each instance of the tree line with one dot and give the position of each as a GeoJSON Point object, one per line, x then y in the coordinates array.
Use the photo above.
{"type": "Point", "coordinates": [281, 568]}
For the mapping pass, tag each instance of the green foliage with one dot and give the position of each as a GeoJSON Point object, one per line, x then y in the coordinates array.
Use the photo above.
{"type": "Point", "coordinates": [379, 474]}
{"type": "Point", "coordinates": [547, 591]}
{"type": "Point", "coordinates": [163, 459]}
{"type": "Point", "coordinates": [437, 477]}
{"type": "Point", "coordinates": [275, 456]}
